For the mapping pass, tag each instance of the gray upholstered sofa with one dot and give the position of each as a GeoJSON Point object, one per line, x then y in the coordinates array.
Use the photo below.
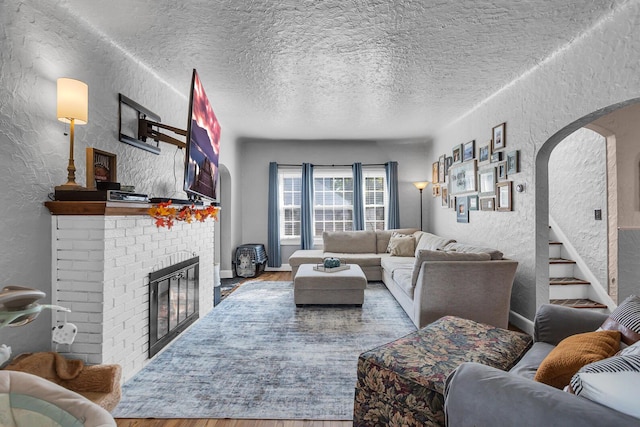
{"type": "Point", "coordinates": [478, 395]}
{"type": "Point", "coordinates": [438, 277]}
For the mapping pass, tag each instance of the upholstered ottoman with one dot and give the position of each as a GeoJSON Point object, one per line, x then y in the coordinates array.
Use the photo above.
{"type": "Point", "coordinates": [402, 383]}
{"type": "Point", "coordinates": [340, 287]}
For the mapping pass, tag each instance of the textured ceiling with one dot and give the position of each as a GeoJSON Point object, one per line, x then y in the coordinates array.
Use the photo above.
{"type": "Point", "coordinates": [341, 69]}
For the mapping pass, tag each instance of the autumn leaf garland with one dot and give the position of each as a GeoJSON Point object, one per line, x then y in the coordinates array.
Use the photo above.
{"type": "Point", "coordinates": [165, 214]}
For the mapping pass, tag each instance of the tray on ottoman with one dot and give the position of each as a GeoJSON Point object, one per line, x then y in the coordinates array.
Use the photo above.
{"type": "Point", "coordinates": [402, 382]}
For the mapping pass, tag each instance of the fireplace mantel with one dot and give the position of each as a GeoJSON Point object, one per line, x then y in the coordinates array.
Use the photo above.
{"type": "Point", "coordinates": [102, 255]}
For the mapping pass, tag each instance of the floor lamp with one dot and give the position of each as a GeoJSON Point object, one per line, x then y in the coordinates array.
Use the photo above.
{"type": "Point", "coordinates": [421, 185]}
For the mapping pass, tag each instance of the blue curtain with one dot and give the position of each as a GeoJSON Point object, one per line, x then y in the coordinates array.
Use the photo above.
{"type": "Point", "coordinates": [393, 219]}
{"type": "Point", "coordinates": [358, 197]}
{"type": "Point", "coordinates": [306, 207]}
{"type": "Point", "coordinates": [273, 224]}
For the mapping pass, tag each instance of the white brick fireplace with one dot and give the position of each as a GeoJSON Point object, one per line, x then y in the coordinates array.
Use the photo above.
{"type": "Point", "coordinates": [100, 271]}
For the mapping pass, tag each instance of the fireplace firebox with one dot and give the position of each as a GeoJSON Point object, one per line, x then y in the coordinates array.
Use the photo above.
{"type": "Point", "coordinates": [173, 302]}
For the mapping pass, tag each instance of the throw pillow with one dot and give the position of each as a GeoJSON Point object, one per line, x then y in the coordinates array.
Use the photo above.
{"type": "Point", "coordinates": [396, 234]}
{"type": "Point", "coordinates": [573, 353]}
{"type": "Point", "coordinates": [427, 255]}
{"type": "Point", "coordinates": [633, 349]}
{"type": "Point", "coordinates": [432, 242]}
{"type": "Point", "coordinates": [613, 382]}
{"type": "Point", "coordinates": [401, 246]}
{"type": "Point", "coordinates": [626, 319]}
{"type": "Point", "coordinates": [469, 249]}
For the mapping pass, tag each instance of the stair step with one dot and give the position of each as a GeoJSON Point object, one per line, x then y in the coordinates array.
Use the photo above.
{"type": "Point", "coordinates": [567, 281]}
{"type": "Point", "coordinates": [554, 242]}
{"type": "Point", "coordinates": [561, 261]}
{"type": "Point", "coordinates": [578, 303]}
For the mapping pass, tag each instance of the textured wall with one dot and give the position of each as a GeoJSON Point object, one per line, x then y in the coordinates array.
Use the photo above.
{"type": "Point", "coordinates": [256, 156]}
{"type": "Point", "coordinates": [547, 103]}
{"type": "Point", "coordinates": [38, 44]}
{"type": "Point", "coordinates": [629, 273]}
{"type": "Point", "coordinates": [578, 177]}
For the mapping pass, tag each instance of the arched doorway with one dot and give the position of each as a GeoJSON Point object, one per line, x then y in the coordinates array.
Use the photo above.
{"type": "Point", "coordinates": [627, 181]}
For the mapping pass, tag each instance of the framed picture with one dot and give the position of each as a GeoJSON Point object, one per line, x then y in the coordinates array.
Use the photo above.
{"type": "Point", "coordinates": [435, 190]}
{"type": "Point", "coordinates": [441, 176]}
{"type": "Point", "coordinates": [502, 171]}
{"type": "Point", "coordinates": [448, 161]}
{"type": "Point", "coordinates": [462, 209]}
{"type": "Point", "coordinates": [444, 193]}
{"type": "Point", "coordinates": [483, 153]}
{"type": "Point", "coordinates": [513, 162]}
{"type": "Point", "coordinates": [101, 166]}
{"type": "Point", "coordinates": [469, 151]}
{"type": "Point", "coordinates": [435, 175]}
{"type": "Point", "coordinates": [499, 137]}
{"type": "Point", "coordinates": [452, 202]}
{"type": "Point", "coordinates": [473, 203]}
{"type": "Point", "coordinates": [487, 181]}
{"type": "Point", "coordinates": [463, 178]}
{"type": "Point", "coordinates": [503, 193]}
{"type": "Point", "coordinates": [496, 157]}
{"type": "Point", "coordinates": [457, 154]}
{"type": "Point", "coordinates": [488, 204]}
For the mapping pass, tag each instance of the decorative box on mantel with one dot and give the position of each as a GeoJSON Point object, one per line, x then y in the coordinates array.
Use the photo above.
{"type": "Point", "coordinates": [102, 255]}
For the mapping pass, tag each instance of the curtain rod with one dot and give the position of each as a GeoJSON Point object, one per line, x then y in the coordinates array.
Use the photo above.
{"type": "Point", "coordinates": [313, 164]}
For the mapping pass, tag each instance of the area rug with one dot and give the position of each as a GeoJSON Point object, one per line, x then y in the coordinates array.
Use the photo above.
{"type": "Point", "coordinates": [257, 355]}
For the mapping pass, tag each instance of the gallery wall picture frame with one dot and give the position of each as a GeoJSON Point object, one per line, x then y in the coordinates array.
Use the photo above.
{"type": "Point", "coordinates": [496, 157]}
{"type": "Point", "coordinates": [487, 181]}
{"type": "Point", "coordinates": [435, 190]}
{"type": "Point", "coordinates": [101, 166]}
{"type": "Point", "coordinates": [503, 195]}
{"type": "Point", "coordinates": [444, 193]}
{"type": "Point", "coordinates": [435, 174]}
{"type": "Point", "coordinates": [499, 137]}
{"type": "Point", "coordinates": [441, 175]}
{"type": "Point", "coordinates": [448, 161]}
{"type": "Point", "coordinates": [473, 203]}
{"type": "Point", "coordinates": [462, 209]}
{"type": "Point", "coordinates": [469, 151]}
{"type": "Point", "coordinates": [456, 153]}
{"type": "Point", "coordinates": [452, 202]}
{"type": "Point", "coordinates": [487, 204]}
{"type": "Point", "coordinates": [463, 177]}
{"type": "Point", "coordinates": [513, 162]}
{"type": "Point", "coordinates": [483, 153]}
{"type": "Point", "coordinates": [502, 171]}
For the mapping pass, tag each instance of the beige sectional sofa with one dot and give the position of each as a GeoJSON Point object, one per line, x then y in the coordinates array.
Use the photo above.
{"type": "Point", "coordinates": [436, 277]}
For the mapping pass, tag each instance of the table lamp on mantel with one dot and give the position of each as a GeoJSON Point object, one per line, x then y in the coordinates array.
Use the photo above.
{"type": "Point", "coordinates": [421, 185]}
{"type": "Point", "coordinates": [73, 108]}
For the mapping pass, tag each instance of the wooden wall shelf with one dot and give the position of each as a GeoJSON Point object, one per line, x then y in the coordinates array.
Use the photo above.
{"type": "Point", "coordinates": [97, 208]}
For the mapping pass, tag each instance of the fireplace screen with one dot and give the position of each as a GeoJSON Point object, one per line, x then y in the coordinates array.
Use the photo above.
{"type": "Point", "coordinates": [173, 302]}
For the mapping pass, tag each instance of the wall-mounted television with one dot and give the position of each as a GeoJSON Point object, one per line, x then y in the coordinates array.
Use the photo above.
{"type": "Point", "coordinates": [203, 146]}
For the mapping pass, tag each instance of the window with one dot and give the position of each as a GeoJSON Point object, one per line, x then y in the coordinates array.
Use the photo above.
{"type": "Point", "coordinates": [332, 200]}
{"type": "Point", "coordinates": [375, 198]}
{"type": "Point", "coordinates": [290, 187]}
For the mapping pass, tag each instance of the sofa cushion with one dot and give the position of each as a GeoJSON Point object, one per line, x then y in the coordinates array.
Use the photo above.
{"type": "Point", "coordinates": [613, 382]}
{"type": "Point", "coordinates": [355, 242]}
{"type": "Point", "coordinates": [402, 277]}
{"type": "Point", "coordinates": [383, 236]}
{"type": "Point", "coordinates": [363, 260]}
{"type": "Point", "coordinates": [427, 255]}
{"type": "Point", "coordinates": [391, 263]}
{"type": "Point", "coordinates": [305, 256]}
{"type": "Point", "coordinates": [401, 245]}
{"type": "Point", "coordinates": [469, 249]}
{"type": "Point", "coordinates": [573, 353]}
{"type": "Point", "coordinates": [530, 362]}
{"type": "Point", "coordinates": [626, 319]}
{"type": "Point", "coordinates": [432, 242]}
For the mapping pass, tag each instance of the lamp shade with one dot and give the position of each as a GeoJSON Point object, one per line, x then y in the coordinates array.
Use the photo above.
{"type": "Point", "coordinates": [421, 185]}
{"type": "Point", "coordinates": [73, 101]}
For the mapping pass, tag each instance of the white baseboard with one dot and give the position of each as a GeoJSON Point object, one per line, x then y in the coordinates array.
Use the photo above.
{"type": "Point", "coordinates": [226, 274]}
{"type": "Point", "coordinates": [519, 321]}
{"type": "Point", "coordinates": [283, 267]}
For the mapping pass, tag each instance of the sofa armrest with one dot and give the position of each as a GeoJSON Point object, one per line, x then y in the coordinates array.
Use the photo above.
{"type": "Point", "coordinates": [478, 395]}
{"type": "Point", "coordinates": [475, 290]}
{"type": "Point", "coordinates": [553, 323]}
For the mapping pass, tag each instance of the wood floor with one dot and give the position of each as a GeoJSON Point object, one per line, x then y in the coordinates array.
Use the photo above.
{"type": "Point", "coordinates": [122, 422]}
